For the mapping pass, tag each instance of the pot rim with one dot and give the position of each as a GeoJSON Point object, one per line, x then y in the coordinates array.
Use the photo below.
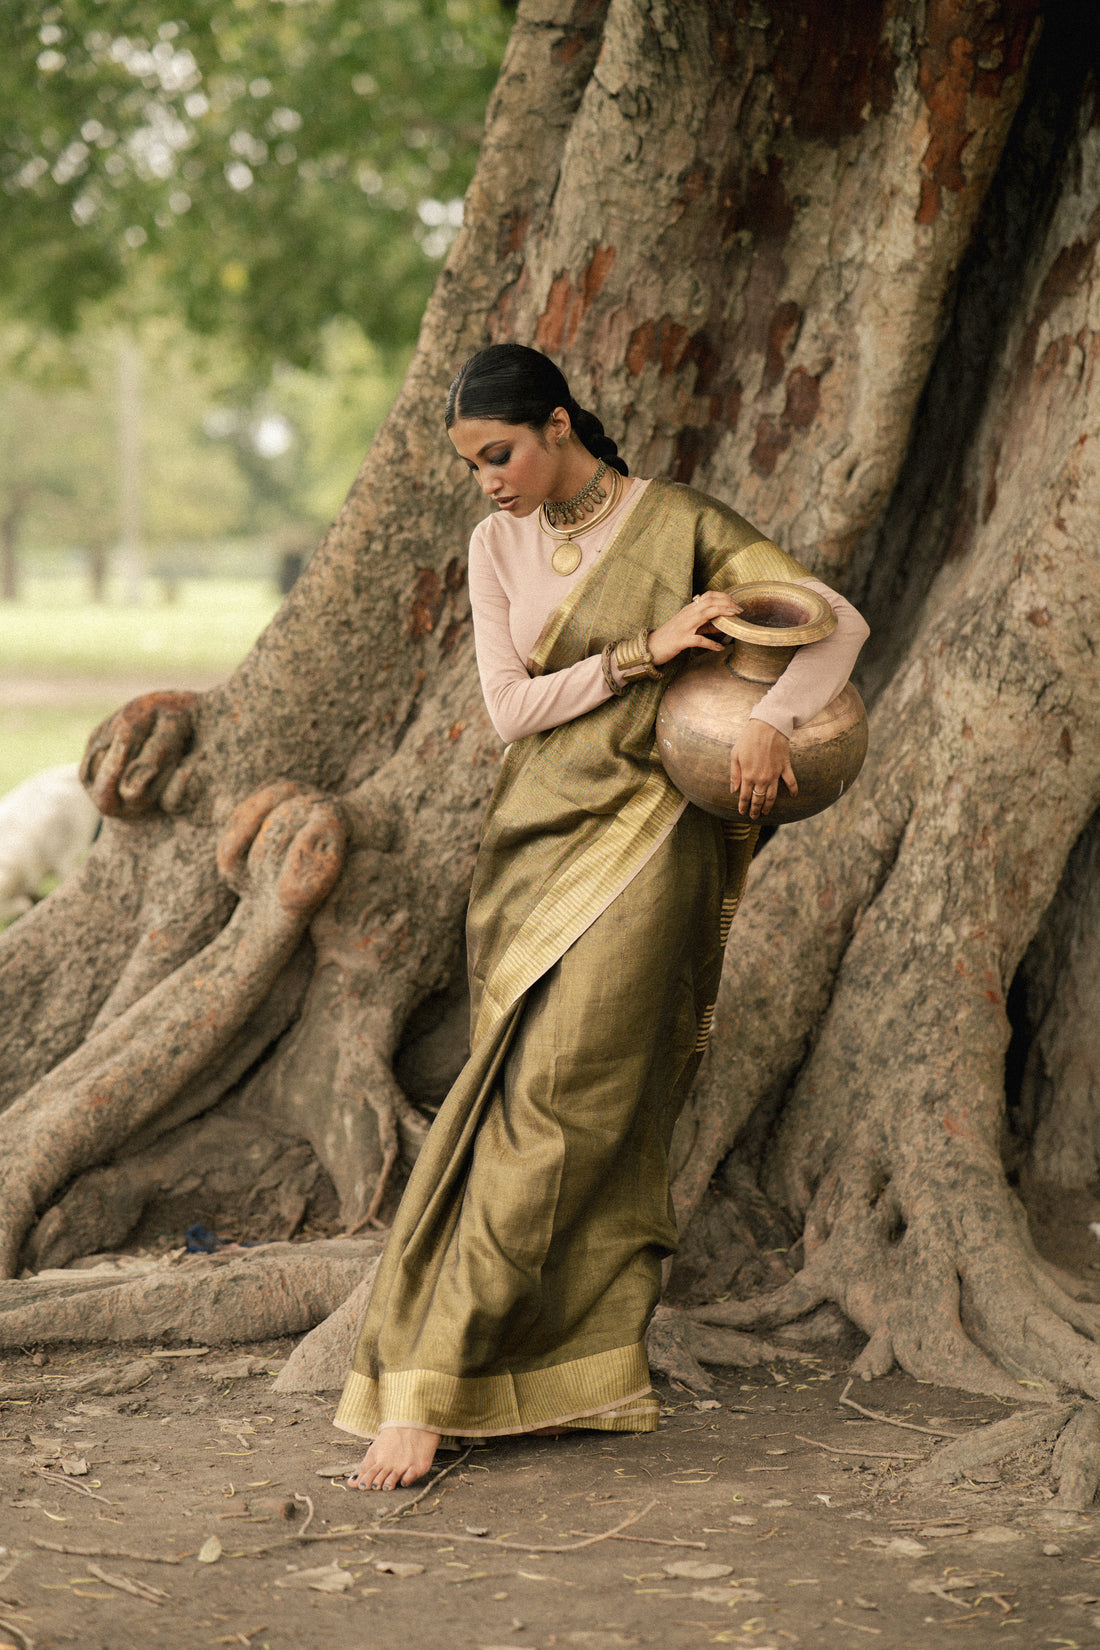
{"type": "Point", "coordinates": [819, 622]}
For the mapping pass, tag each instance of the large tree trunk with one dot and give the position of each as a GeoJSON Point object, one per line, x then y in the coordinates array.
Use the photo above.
{"type": "Point", "coordinates": [793, 254]}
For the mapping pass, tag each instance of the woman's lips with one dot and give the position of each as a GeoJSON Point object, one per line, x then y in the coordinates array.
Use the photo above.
{"type": "Point", "coordinates": [504, 503]}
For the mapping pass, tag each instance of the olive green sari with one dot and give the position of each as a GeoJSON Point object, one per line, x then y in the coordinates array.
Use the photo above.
{"type": "Point", "coordinates": [524, 1263]}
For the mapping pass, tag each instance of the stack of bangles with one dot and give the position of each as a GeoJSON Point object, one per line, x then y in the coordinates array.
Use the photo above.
{"type": "Point", "coordinates": [634, 661]}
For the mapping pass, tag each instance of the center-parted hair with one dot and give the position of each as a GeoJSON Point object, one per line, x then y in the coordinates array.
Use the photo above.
{"type": "Point", "coordinates": [518, 385]}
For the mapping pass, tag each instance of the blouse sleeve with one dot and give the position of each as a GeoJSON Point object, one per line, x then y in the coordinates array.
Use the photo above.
{"type": "Point", "coordinates": [519, 704]}
{"type": "Point", "coordinates": [817, 672]}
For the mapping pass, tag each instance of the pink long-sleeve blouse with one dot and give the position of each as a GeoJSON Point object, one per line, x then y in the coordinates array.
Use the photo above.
{"type": "Point", "coordinates": [514, 589]}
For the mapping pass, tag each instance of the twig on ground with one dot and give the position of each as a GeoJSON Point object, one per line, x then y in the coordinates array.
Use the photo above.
{"type": "Point", "coordinates": [524, 1546]}
{"type": "Point", "coordinates": [892, 1420]}
{"type": "Point", "coordinates": [887, 1454]}
{"type": "Point", "coordinates": [407, 1506]}
{"type": "Point", "coordinates": [70, 1484]}
{"type": "Point", "coordinates": [103, 1552]}
{"type": "Point", "coordinates": [309, 1514]}
{"type": "Point", "coordinates": [369, 1532]}
{"type": "Point", "coordinates": [651, 1540]}
{"type": "Point", "coordinates": [137, 1589]}
{"type": "Point", "coordinates": [17, 1633]}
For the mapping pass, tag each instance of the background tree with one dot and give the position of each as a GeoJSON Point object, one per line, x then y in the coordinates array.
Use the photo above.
{"type": "Point", "coordinates": [276, 165]}
{"type": "Point", "coordinates": [839, 266]}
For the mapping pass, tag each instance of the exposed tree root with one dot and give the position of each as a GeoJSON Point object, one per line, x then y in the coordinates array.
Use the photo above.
{"type": "Point", "coordinates": [321, 1361]}
{"type": "Point", "coordinates": [678, 1346]}
{"type": "Point", "coordinates": [274, 1289]}
{"type": "Point", "coordinates": [990, 1444]}
{"type": "Point", "coordinates": [938, 1270]}
{"type": "Point", "coordinates": [1072, 1429]}
{"type": "Point", "coordinates": [1075, 1466]}
{"type": "Point", "coordinates": [90, 1104]}
{"type": "Point", "coordinates": [220, 1160]}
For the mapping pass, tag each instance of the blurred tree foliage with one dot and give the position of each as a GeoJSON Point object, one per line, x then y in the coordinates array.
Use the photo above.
{"type": "Point", "coordinates": [269, 165]}
{"type": "Point", "coordinates": [218, 459]}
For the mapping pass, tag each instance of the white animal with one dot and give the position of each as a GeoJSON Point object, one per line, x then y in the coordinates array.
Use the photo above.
{"type": "Point", "coordinates": [46, 826]}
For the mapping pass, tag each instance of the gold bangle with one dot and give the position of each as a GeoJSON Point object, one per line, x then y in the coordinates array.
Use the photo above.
{"type": "Point", "coordinates": [634, 659]}
{"type": "Point", "coordinates": [617, 688]}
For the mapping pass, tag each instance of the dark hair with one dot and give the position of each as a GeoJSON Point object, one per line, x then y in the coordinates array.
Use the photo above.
{"type": "Point", "coordinates": [521, 386]}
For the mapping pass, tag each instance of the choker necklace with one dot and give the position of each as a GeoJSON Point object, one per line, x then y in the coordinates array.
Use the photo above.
{"type": "Point", "coordinates": [583, 512]}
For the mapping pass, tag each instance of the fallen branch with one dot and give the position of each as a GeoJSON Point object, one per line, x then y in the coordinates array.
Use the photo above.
{"type": "Point", "coordinates": [136, 1589]}
{"type": "Point", "coordinates": [886, 1454]}
{"type": "Point", "coordinates": [369, 1531]}
{"type": "Point", "coordinates": [70, 1484]}
{"type": "Point", "coordinates": [650, 1540]}
{"type": "Point", "coordinates": [309, 1514]}
{"type": "Point", "coordinates": [103, 1552]}
{"type": "Point", "coordinates": [520, 1546]}
{"type": "Point", "coordinates": [407, 1506]}
{"type": "Point", "coordinates": [892, 1420]}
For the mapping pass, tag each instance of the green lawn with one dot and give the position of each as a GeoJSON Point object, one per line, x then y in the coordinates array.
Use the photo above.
{"type": "Point", "coordinates": [54, 633]}
{"type": "Point", "coordinates": [211, 626]}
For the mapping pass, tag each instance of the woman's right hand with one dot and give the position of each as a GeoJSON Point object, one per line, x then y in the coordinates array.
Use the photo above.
{"type": "Point", "coordinates": [691, 627]}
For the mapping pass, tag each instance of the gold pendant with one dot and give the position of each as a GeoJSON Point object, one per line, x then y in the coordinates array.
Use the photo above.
{"type": "Point", "coordinates": [566, 558]}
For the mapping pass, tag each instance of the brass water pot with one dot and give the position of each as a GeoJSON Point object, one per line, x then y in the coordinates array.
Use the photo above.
{"type": "Point", "coordinates": [707, 704]}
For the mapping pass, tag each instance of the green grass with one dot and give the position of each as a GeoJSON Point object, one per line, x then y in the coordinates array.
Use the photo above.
{"type": "Point", "coordinates": [54, 632]}
{"type": "Point", "coordinates": [210, 627]}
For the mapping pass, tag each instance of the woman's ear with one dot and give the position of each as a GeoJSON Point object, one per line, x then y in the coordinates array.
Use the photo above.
{"type": "Point", "coordinates": [559, 427]}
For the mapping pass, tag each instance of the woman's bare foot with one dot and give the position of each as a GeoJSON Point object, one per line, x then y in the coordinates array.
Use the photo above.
{"type": "Point", "coordinates": [398, 1457]}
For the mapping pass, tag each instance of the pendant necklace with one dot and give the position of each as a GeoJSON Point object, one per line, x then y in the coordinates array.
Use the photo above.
{"type": "Point", "coordinates": [582, 512]}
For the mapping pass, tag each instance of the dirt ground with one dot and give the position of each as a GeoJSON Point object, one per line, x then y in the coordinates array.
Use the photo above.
{"type": "Point", "coordinates": [764, 1515]}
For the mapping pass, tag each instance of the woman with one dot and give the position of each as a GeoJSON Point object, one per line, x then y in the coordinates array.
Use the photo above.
{"type": "Point", "coordinates": [524, 1263]}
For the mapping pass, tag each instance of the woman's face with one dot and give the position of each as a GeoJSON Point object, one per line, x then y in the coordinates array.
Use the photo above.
{"type": "Point", "coordinates": [515, 466]}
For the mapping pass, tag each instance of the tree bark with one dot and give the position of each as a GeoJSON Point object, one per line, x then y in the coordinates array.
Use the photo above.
{"type": "Point", "coordinates": [766, 242]}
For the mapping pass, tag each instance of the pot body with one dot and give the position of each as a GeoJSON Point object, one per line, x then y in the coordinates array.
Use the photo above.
{"type": "Point", "coordinates": [704, 711]}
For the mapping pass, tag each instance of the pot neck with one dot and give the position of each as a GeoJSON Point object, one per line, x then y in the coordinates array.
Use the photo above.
{"type": "Point", "coordinates": [759, 661]}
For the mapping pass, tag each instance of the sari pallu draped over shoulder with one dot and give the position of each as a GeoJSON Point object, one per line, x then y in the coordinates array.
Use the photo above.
{"type": "Point", "coordinates": [524, 1261]}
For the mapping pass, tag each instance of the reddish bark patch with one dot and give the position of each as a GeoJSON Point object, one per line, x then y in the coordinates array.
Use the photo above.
{"type": "Point", "coordinates": [782, 330]}
{"type": "Point", "coordinates": [803, 398]}
{"type": "Point", "coordinates": [1065, 744]}
{"type": "Point", "coordinates": [427, 604]}
{"type": "Point", "coordinates": [640, 348]}
{"type": "Point", "coordinates": [513, 231]}
{"type": "Point", "coordinates": [772, 439]}
{"type": "Point", "coordinates": [567, 306]}
{"type": "Point", "coordinates": [552, 322]}
{"type": "Point", "coordinates": [970, 49]}
{"type": "Point", "coordinates": [1040, 617]}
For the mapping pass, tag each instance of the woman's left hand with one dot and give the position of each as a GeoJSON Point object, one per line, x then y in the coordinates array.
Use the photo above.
{"type": "Point", "coordinates": [691, 627]}
{"type": "Point", "coordinates": [758, 761]}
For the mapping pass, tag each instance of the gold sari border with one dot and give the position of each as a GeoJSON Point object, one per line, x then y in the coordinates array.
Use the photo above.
{"type": "Point", "coordinates": [760, 560]}
{"type": "Point", "coordinates": [591, 1393]}
{"type": "Point", "coordinates": [582, 893]}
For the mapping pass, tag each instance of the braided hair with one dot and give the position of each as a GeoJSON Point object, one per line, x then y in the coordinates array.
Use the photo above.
{"type": "Point", "coordinates": [518, 385]}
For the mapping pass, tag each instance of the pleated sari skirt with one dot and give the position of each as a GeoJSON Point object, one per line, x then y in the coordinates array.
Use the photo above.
{"type": "Point", "coordinates": [524, 1263]}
